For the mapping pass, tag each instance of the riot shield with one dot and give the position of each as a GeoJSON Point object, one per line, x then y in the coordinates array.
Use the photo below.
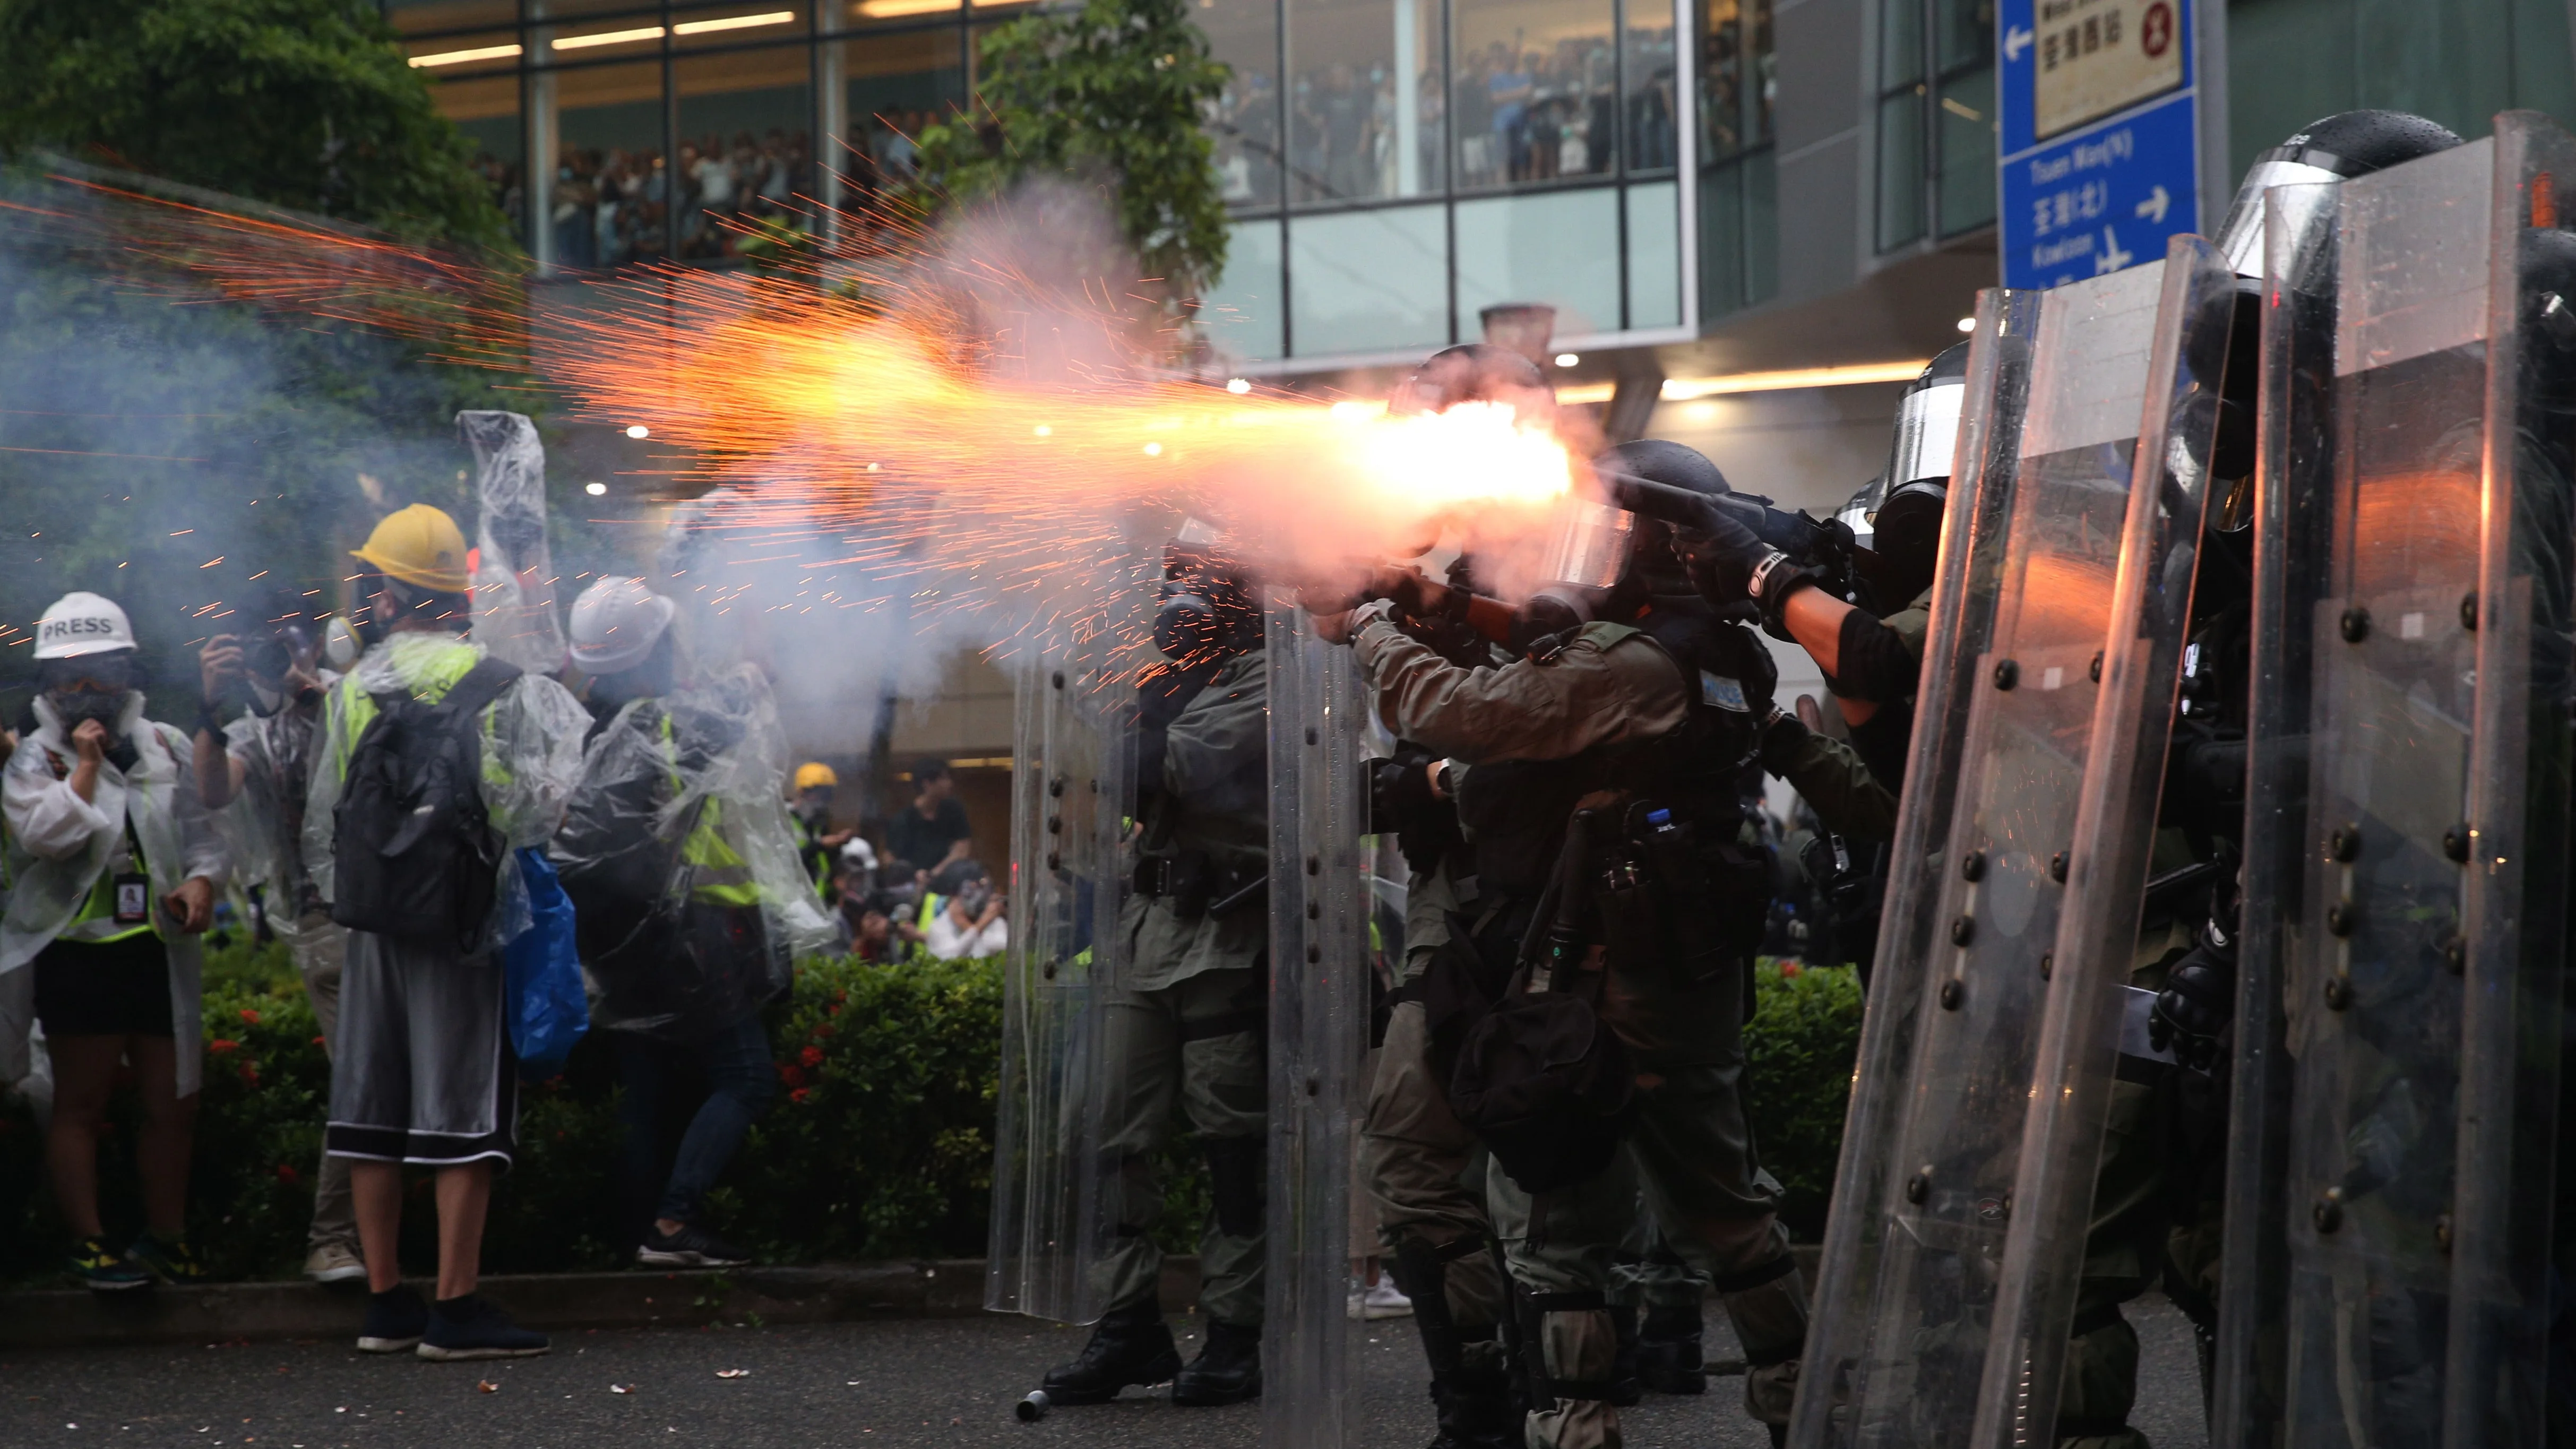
{"type": "Point", "coordinates": [2407, 830]}
{"type": "Point", "coordinates": [1986, 836]}
{"type": "Point", "coordinates": [1320, 897]}
{"type": "Point", "coordinates": [1054, 1217]}
{"type": "Point", "coordinates": [2088, 1001]}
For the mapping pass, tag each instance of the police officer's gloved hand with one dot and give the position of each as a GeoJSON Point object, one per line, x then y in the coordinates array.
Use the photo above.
{"type": "Point", "coordinates": [1721, 561]}
{"type": "Point", "coordinates": [2198, 1001]}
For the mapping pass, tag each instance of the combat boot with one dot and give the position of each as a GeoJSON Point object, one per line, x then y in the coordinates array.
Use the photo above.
{"type": "Point", "coordinates": [1227, 1370]}
{"type": "Point", "coordinates": [1131, 1345]}
{"type": "Point", "coordinates": [1668, 1356]}
{"type": "Point", "coordinates": [1477, 1410]}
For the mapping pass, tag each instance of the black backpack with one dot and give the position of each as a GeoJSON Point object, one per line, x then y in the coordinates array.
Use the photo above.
{"type": "Point", "coordinates": [413, 848]}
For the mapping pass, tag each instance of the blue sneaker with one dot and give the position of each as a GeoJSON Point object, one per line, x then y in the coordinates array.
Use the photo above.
{"type": "Point", "coordinates": [475, 1327]}
{"type": "Point", "coordinates": [102, 1269]}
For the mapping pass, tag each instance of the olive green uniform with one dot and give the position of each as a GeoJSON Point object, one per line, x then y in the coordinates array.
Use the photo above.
{"type": "Point", "coordinates": [1186, 1026]}
{"type": "Point", "coordinates": [1691, 1149]}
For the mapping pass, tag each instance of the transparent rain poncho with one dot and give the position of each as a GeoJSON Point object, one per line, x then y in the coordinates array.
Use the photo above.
{"type": "Point", "coordinates": [514, 573]}
{"type": "Point", "coordinates": [687, 892]}
{"type": "Point", "coordinates": [531, 755]}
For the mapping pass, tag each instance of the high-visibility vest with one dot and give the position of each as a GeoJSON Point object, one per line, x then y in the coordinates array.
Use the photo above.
{"type": "Point", "coordinates": [718, 874]}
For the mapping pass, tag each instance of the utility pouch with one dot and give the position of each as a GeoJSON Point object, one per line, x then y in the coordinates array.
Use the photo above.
{"type": "Point", "coordinates": [1182, 881]}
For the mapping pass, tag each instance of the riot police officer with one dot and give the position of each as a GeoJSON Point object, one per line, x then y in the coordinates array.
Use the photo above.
{"type": "Point", "coordinates": [1186, 1025]}
{"type": "Point", "coordinates": [1601, 778]}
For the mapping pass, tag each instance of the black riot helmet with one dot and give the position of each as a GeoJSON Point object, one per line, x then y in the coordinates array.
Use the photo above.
{"type": "Point", "coordinates": [1472, 372]}
{"type": "Point", "coordinates": [1905, 533]}
{"type": "Point", "coordinates": [2322, 154]}
{"type": "Point", "coordinates": [1651, 563]}
{"type": "Point", "coordinates": [1207, 611]}
{"type": "Point", "coordinates": [2337, 148]}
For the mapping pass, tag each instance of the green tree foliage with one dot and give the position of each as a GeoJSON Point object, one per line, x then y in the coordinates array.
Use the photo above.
{"type": "Point", "coordinates": [302, 103]}
{"type": "Point", "coordinates": [1110, 95]}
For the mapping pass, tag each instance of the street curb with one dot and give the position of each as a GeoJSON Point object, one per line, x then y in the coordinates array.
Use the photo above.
{"type": "Point", "coordinates": [243, 1312]}
{"type": "Point", "coordinates": [246, 1312]}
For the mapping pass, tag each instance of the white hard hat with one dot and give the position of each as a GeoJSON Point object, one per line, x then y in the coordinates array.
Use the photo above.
{"type": "Point", "coordinates": [82, 623]}
{"type": "Point", "coordinates": [859, 853]}
{"type": "Point", "coordinates": [615, 624]}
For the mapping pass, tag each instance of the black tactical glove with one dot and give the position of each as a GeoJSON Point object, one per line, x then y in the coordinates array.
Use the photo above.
{"type": "Point", "coordinates": [1400, 800]}
{"type": "Point", "coordinates": [1721, 561]}
{"type": "Point", "coordinates": [2198, 1001]}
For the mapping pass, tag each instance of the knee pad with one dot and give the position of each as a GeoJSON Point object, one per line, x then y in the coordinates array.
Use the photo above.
{"type": "Point", "coordinates": [1237, 1180]}
{"type": "Point", "coordinates": [1582, 1369]}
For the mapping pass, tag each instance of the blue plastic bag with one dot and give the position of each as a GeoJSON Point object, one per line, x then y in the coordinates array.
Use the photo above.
{"type": "Point", "coordinates": [548, 1009]}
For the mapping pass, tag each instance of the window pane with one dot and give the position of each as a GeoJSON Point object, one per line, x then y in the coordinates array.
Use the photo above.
{"type": "Point", "coordinates": [1721, 80]}
{"type": "Point", "coordinates": [1533, 91]}
{"type": "Point", "coordinates": [1900, 169]}
{"type": "Point", "coordinates": [1654, 255]}
{"type": "Point", "coordinates": [1900, 43]}
{"type": "Point", "coordinates": [1652, 104]}
{"type": "Point", "coordinates": [1245, 35]}
{"type": "Point", "coordinates": [1369, 281]}
{"type": "Point", "coordinates": [1242, 312]}
{"type": "Point", "coordinates": [1561, 248]}
{"type": "Point", "coordinates": [746, 144]}
{"type": "Point", "coordinates": [1964, 33]}
{"type": "Point", "coordinates": [1364, 114]}
{"type": "Point", "coordinates": [1721, 240]}
{"type": "Point", "coordinates": [891, 86]}
{"type": "Point", "coordinates": [610, 196]}
{"type": "Point", "coordinates": [486, 112]}
{"type": "Point", "coordinates": [1967, 152]}
{"type": "Point", "coordinates": [743, 22]}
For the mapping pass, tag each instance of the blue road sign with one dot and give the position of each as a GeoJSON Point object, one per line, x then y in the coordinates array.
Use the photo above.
{"type": "Point", "coordinates": [2100, 135]}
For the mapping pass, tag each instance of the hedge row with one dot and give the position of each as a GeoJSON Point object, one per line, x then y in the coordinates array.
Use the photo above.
{"type": "Point", "coordinates": [878, 1146]}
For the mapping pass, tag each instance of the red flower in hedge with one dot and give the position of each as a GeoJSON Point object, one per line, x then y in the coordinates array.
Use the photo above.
{"type": "Point", "coordinates": [286, 1174]}
{"type": "Point", "coordinates": [801, 1094]}
{"type": "Point", "coordinates": [250, 1074]}
{"type": "Point", "coordinates": [250, 1016]}
{"type": "Point", "coordinates": [791, 1074]}
{"type": "Point", "coordinates": [1789, 969]}
{"type": "Point", "coordinates": [824, 1032]}
{"type": "Point", "coordinates": [812, 1056]}
{"type": "Point", "coordinates": [223, 1044]}
{"type": "Point", "coordinates": [317, 1041]}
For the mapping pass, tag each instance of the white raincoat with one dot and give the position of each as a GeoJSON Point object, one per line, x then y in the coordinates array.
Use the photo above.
{"type": "Point", "coordinates": [59, 844]}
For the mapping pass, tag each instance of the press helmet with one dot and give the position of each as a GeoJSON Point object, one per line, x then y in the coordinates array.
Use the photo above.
{"type": "Point", "coordinates": [81, 623]}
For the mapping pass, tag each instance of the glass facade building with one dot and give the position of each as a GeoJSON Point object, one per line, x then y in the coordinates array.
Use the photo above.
{"type": "Point", "coordinates": [1393, 166]}
{"type": "Point", "coordinates": [1655, 169]}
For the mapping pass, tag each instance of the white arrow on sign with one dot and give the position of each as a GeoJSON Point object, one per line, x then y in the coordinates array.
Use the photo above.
{"type": "Point", "coordinates": [2111, 258]}
{"type": "Point", "coordinates": [2016, 40]}
{"type": "Point", "coordinates": [2154, 207]}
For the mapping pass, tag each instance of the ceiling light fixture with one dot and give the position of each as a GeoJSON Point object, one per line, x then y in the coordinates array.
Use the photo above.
{"type": "Point", "coordinates": [464, 57]}
{"type": "Point", "coordinates": [733, 22]}
{"type": "Point", "coordinates": [607, 37]}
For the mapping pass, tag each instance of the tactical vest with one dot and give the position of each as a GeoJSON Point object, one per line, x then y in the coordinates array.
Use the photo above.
{"type": "Point", "coordinates": [1674, 885]}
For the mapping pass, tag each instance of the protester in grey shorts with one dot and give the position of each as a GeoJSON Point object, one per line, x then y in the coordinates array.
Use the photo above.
{"type": "Point", "coordinates": [424, 1073]}
{"type": "Point", "coordinates": [269, 677]}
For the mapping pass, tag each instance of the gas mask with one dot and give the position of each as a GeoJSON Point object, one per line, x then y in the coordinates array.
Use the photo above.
{"type": "Point", "coordinates": [1206, 610]}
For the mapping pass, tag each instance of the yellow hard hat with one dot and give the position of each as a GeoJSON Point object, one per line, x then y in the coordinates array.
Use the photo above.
{"type": "Point", "coordinates": [813, 773]}
{"type": "Point", "coordinates": [419, 545]}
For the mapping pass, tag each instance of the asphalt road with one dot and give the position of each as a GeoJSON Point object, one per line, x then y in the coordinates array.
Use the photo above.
{"type": "Point", "coordinates": [934, 1381]}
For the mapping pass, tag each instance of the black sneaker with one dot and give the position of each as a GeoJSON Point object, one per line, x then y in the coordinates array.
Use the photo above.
{"type": "Point", "coordinates": [474, 1327]}
{"type": "Point", "coordinates": [691, 1247]}
{"type": "Point", "coordinates": [170, 1260]}
{"type": "Point", "coordinates": [396, 1318]}
{"type": "Point", "coordinates": [103, 1270]}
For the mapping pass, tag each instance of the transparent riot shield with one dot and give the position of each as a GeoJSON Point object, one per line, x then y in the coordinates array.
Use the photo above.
{"type": "Point", "coordinates": [1320, 898]}
{"type": "Point", "coordinates": [1053, 1214]}
{"type": "Point", "coordinates": [2407, 836]}
{"type": "Point", "coordinates": [1905, 1296]}
{"type": "Point", "coordinates": [2087, 997]}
